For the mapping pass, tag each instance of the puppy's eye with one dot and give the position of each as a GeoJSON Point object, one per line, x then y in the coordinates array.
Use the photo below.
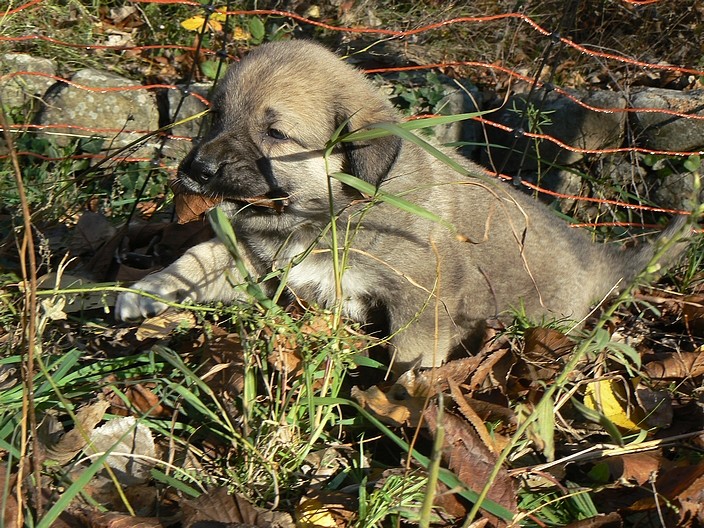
{"type": "Point", "coordinates": [275, 133]}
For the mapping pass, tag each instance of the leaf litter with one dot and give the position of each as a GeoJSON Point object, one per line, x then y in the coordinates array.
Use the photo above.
{"type": "Point", "coordinates": [497, 387]}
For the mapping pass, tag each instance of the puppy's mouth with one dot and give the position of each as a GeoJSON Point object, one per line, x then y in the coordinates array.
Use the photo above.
{"type": "Point", "coordinates": [276, 200]}
{"type": "Point", "coordinates": [191, 202]}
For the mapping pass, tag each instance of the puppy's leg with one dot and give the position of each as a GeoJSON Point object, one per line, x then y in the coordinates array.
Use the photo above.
{"type": "Point", "coordinates": [424, 342]}
{"type": "Point", "coordinates": [205, 272]}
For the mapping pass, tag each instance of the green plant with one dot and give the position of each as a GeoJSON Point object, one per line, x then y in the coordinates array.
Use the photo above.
{"type": "Point", "coordinates": [664, 165]}
{"type": "Point", "coordinates": [418, 95]}
{"type": "Point", "coordinates": [536, 120]}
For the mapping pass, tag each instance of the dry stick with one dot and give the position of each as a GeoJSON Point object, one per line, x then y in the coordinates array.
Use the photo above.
{"type": "Point", "coordinates": [29, 323]}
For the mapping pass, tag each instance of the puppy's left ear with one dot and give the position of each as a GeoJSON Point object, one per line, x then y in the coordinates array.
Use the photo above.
{"type": "Point", "coordinates": [371, 160]}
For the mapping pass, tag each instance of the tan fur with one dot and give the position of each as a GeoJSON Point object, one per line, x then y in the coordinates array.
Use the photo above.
{"type": "Point", "coordinates": [434, 288]}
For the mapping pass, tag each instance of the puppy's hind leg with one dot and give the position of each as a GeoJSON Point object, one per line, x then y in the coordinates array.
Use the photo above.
{"type": "Point", "coordinates": [420, 341]}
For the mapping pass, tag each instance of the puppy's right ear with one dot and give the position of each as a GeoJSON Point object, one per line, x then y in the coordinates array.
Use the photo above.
{"type": "Point", "coordinates": [371, 160]}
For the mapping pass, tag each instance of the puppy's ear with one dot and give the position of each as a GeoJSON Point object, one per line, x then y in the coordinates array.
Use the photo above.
{"type": "Point", "coordinates": [371, 160]}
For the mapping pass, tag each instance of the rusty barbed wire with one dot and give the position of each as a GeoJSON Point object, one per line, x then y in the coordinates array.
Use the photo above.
{"type": "Point", "coordinates": [381, 32]}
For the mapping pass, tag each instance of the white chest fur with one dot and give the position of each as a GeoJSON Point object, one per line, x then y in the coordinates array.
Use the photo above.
{"type": "Point", "coordinates": [315, 277]}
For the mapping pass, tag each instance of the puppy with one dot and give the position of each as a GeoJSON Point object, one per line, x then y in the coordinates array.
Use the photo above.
{"type": "Point", "coordinates": [272, 118]}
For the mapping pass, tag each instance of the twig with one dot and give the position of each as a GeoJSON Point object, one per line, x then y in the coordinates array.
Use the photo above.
{"type": "Point", "coordinates": [29, 323]}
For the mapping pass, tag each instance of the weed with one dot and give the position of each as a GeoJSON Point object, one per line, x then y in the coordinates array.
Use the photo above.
{"type": "Point", "coordinates": [418, 96]}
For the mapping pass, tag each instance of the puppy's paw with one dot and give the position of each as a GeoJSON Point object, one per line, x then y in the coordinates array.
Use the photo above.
{"type": "Point", "coordinates": [131, 306]}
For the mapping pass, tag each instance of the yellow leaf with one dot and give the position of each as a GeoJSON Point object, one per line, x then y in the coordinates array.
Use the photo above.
{"type": "Point", "coordinates": [220, 15]}
{"type": "Point", "coordinates": [609, 398]}
{"type": "Point", "coordinates": [314, 514]}
{"type": "Point", "coordinates": [241, 34]}
{"type": "Point", "coordinates": [214, 24]}
{"type": "Point", "coordinates": [195, 23]}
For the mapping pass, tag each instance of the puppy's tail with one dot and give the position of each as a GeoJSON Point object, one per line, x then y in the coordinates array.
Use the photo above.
{"type": "Point", "coordinates": [668, 246]}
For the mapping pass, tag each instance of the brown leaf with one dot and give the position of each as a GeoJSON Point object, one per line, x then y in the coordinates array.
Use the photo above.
{"type": "Point", "coordinates": [678, 484]}
{"type": "Point", "coordinates": [469, 458]}
{"type": "Point", "coordinates": [677, 366]}
{"type": "Point", "coordinates": [390, 408]}
{"type": "Point", "coordinates": [190, 207]}
{"type": "Point", "coordinates": [223, 362]}
{"type": "Point", "coordinates": [217, 505]}
{"type": "Point", "coordinates": [495, 367]}
{"type": "Point", "coordinates": [404, 402]}
{"type": "Point", "coordinates": [163, 325]}
{"type": "Point", "coordinates": [473, 418]}
{"type": "Point", "coordinates": [657, 405]}
{"type": "Point", "coordinates": [549, 343]}
{"type": "Point", "coordinates": [76, 439]}
{"type": "Point", "coordinates": [611, 520]}
{"type": "Point", "coordinates": [430, 382]}
{"type": "Point", "coordinates": [92, 231]}
{"type": "Point", "coordinates": [11, 513]}
{"type": "Point", "coordinates": [144, 402]}
{"type": "Point", "coordinates": [94, 518]}
{"type": "Point", "coordinates": [693, 313]}
{"type": "Point", "coordinates": [542, 355]}
{"type": "Point", "coordinates": [635, 467]}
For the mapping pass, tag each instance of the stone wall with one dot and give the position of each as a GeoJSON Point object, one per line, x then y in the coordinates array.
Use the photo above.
{"type": "Point", "coordinates": [86, 106]}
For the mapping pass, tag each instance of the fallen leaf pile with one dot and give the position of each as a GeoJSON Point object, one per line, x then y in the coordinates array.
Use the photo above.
{"type": "Point", "coordinates": [626, 426]}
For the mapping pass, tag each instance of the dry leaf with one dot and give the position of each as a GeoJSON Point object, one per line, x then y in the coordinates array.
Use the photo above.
{"type": "Point", "coordinates": [635, 467]}
{"type": "Point", "coordinates": [542, 354]}
{"type": "Point", "coordinates": [98, 519]}
{"type": "Point", "coordinates": [389, 407]}
{"type": "Point", "coordinates": [133, 453]}
{"type": "Point", "coordinates": [543, 342]}
{"type": "Point", "coordinates": [676, 366]}
{"type": "Point", "coordinates": [682, 487]}
{"type": "Point", "coordinates": [140, 400]}
{"type": "Point", "coordinates": [77, 438]}
{"type": "Point", "coordinates": [163, 325]}
{"type": "Point", "coordinates": [611, 520]}
{"type": "Point", "coordinates": [693, 313]}
{"type": "Point", "coordinates": [469, 458]}
{"type": "Point", "coordinates": [75, 302]}
{"type": "Point", "coordinates": [610, 398]}
{"type": "Point", "coordinates": [404, 402]}
{"type": "Point", "coordinates": [223, 362]}
{"type": "Point", "coordinates": [190, 207]}
{"type": "Point", "coordinates": [217, 505]}
{"type": "Point", "coordinates": [656, 405]}
{"type": "Point", "coordinates": [10, 512]}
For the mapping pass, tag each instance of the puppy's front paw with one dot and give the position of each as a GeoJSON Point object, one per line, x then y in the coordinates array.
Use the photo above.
{"type": "Point", "coordinates": [131, 306]}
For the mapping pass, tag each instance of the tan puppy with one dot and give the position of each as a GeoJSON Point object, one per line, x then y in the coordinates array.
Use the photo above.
{"type": "Point", "coordinates": [272, 117]}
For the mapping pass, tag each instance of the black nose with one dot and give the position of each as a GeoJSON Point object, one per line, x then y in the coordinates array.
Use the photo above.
{"type": "Point", "coordinates": [200, 169]}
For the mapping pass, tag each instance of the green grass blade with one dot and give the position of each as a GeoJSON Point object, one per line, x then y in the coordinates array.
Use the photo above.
{"type": "Point", "coordinates": [446, 476]}
{"type": "Point", "coordinates": [398, 202]}
{"type": "Point", "coordinates": [374, 132]}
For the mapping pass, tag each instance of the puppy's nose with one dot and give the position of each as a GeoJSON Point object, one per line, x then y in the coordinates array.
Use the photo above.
{"type": "Point", "coordinates": [202, 169]}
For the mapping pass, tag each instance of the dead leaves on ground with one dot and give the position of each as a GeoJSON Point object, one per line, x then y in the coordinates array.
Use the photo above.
{"type": "Point", "coordinates": [486, 397]}
{"type": "Point", "coordinates": [662, 401]}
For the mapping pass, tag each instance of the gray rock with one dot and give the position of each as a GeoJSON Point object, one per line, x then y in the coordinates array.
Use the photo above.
{"type": "Point", "coordinates": [563, 182]}
{"type": "Point", "coordinates": [677, 191]}
{"type": "Point", "coordinates": [448, 98]}
{"type": "Point", "coordinates": [24, 88]}
{"type": "Point", "coordinates": [559, 117]}
{"type": "Point", "coordinates": [183, 105]}
{"type": "Point", "coordinates": [108, 112]}
{"type": "Point", "coordinates": [659, 131]}
{"type": "Point", "coordinates": [460, 100]}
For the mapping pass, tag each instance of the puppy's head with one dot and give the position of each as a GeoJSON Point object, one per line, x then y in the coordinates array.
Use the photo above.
{"type": "Point", "coordinates": [272, 116]}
